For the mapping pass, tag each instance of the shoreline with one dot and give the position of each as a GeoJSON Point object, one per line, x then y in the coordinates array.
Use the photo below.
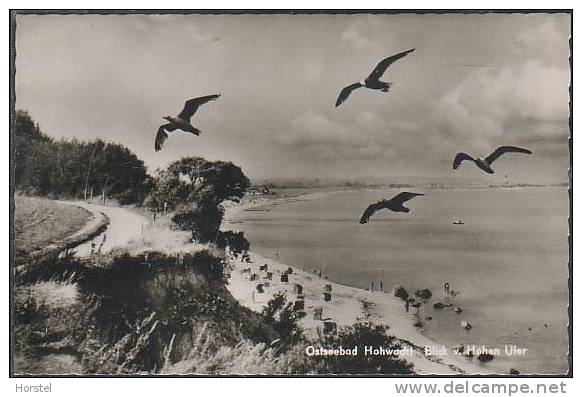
{"type": "Point", "coordinates": [348, 304]}
{"type": "Point", "coordinates": [345, 308]}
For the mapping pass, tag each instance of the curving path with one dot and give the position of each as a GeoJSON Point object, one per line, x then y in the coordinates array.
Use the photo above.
{"type": "Point", "coordinates": [124, 226]}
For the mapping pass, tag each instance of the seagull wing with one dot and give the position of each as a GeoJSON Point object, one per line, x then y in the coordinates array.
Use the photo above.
{"type": "Point", "coordinates": [380, 69]}
{"type": "Point", "coordinates": [192, 105]}
{"type": "Point", "coordinates": [346, 93]}
{"type": "Point", "coordinates": [162, 135]}
{"type": "Point", "coordinates": [505, 149]}
{"type": "Point", "coordinates": [403, 197]}
{"type": "Point", "coordinates": [371, 210]}
{"type": "Point", "coordinates": [459, 158]}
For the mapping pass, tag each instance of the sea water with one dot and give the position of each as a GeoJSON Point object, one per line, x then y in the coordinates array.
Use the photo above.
{"type": "Point", "coordinates": [508, 261]}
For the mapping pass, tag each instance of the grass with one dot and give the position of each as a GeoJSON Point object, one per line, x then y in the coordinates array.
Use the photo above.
{"type": "Point", "coordinates": [39, 223]}
{"type": "Point", "coordinates": [168, 314]}
{"type": "Point", "coordinates": [152, 311]}
{"type": "Point", "coordinates": [128, 314]}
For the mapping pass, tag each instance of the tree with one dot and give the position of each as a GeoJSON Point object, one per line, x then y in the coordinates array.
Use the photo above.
{"type": "Point", "coordinates": [206, 181]}
{"type": "Point", "coordinates": [236, 241]}
{"type": "Point", "coordinates": [26, 135]}
{"type": "Point", "coordinates": [70, 168]}
{"type": "Point", "coordinates": [196, 188]}
{"type": "Point", "coordinates": [202, 220]}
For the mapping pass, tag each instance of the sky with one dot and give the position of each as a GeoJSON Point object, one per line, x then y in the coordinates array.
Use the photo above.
{"type": "Point", "coordinates": [474, 82]}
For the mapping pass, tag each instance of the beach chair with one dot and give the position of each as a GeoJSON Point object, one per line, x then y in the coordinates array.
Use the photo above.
{"type": "Point", "coordinates": [327, 288]}
{"type": "Point", "coordinates": [329, 327]}
{"type": "Point", "coordinates": [318, 313]}
{"type": "Point", "coordinates": [326, 296]}
{"type": "Point", "coordinates": [298, 289]}
{"type": "Point", "coordinates": [298, 305]}
{"type": "Point", "coordinates": [284, 278]}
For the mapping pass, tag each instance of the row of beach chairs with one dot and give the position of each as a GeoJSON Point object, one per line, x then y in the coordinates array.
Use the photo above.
{"type": "Point", "coordinates": [299, 303]}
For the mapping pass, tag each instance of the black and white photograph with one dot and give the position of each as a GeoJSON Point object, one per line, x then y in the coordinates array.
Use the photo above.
{"type": "Point", "coordinates": [290, 193]}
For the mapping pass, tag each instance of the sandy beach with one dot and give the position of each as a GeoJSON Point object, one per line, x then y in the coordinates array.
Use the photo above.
{"type": "Point", "coordinates": [348, 305]}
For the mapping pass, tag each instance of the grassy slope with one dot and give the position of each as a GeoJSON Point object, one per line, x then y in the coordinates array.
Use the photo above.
{"type": "Point", "coordinates": [130, 314]}
{"type": "Point", "coordinates": [147, 313]}
{"type": "Point", "coordinates": [41, 222]}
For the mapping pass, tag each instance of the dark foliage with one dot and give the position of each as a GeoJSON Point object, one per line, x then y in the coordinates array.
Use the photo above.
{"type": "Point", "coordinates": [27, 134]}
{"type": "Point", "coordinates": [202, 220]}
{"type": "Point", "coordinates": [73, 168]}
{"type": "Point", "coordinates": [195, 188]}
{"type": "Point", "coordinates": [362, 335]}
{"type": "Point", "coordinates": [236, 241]}
{"type": "Point", "coordinates": [135, 306]}
{"type": "Point", "coordinates": [194, 180]}
{"type": "Point", "coordinates": [280, 314]}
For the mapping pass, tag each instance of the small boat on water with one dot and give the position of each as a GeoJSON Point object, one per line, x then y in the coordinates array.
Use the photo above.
{"type": "Point", "coordinates": [459, 222]}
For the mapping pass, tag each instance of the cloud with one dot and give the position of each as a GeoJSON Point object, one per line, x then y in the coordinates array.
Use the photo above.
{"type": "Point", "coordinates": [361, 34]}
{"type": "Point", "coordinates": [312, 129]}
{"type": "Point", "coordinates": [368, 136]}
{"type": "Point", "coordinates": [162, 27]}
{"type": "Point", "coordinates": [490, 107]}
{"type": "Point", "coordinates": [544, 37]}
{"type": "Point", "coordinates": [355, 39]}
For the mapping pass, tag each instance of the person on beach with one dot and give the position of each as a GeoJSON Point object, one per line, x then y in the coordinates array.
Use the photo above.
{"type": "Point", "coordinates": [452, 295]}
{"type": "Point", "coordinates": [372, 286]}
{"type": "Point", "coordinates": [446, 287]}
{"type": "Point", "coordinates": [407, 306]}
{"type": "Point", "coordinates": [381, 286]}
{"type": "Point", "coordinates": [319, 273]}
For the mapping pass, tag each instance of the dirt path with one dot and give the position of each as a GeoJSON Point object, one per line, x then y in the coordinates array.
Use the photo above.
{"type": "Point", "coordinates": [124, 226]}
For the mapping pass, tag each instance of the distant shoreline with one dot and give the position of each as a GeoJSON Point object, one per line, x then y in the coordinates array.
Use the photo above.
{"type": "Point", "coordinates": [306, 193]}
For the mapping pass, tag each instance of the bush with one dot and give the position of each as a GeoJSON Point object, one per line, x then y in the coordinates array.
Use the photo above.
{"type": "Point", "coordinates": [140, 313]}
{"type": "Point", "coordinates": [130, 196]}
{"type": "Point", "coordinates": [280, 314]}
{"type": "Point", "coordinates": [236, 241]}
{"type": "Point", "coordinates": [202, 221]}
{"type": "Point", "coordinates": [362, 335]}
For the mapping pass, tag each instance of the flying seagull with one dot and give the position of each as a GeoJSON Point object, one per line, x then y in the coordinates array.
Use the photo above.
{"type": "Point", "coordinates": [394, 204]}
{"type": "Point", "coordinates": [182, 121]}
{"type": "Point", "coordinates": [485, 164]}
{"type": "Point", "coordinates": [373, 80]}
